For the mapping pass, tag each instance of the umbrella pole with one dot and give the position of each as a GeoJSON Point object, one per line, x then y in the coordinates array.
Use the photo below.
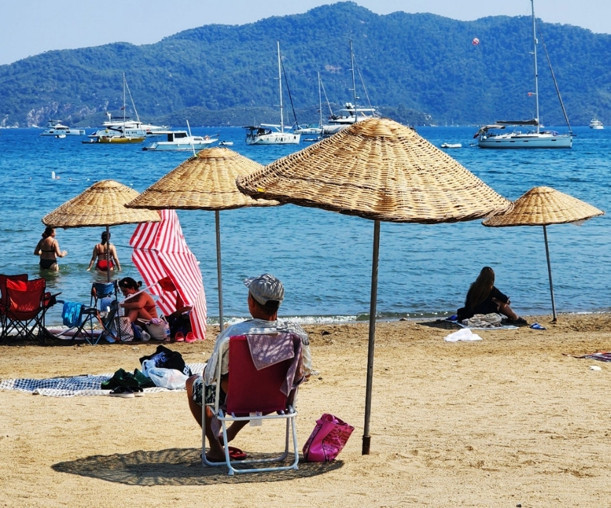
{"type": "Point", "coordinates": [217, 220]}
{"type": "Point", "coordinates": [372, 334]}
{"type": "Point", "coordinates": [549, 271]}
{"type": "Point", "coordinates": [107, 253]}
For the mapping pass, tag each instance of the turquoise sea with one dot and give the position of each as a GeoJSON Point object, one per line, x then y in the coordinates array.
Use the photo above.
{"type": "Point", "coordinates": [324, 258]}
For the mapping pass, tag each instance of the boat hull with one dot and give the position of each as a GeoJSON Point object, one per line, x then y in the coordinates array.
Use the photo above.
{"type": "Point", "coordinates": [274, 138]}
{"type": "Point", "coordinates": [164, 146]}
{"type": "Point", "coordinates": [533, 140]}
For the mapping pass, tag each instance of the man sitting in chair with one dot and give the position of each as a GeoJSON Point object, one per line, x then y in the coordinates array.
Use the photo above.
{"type": "Point", "coordinates": [265, 293]}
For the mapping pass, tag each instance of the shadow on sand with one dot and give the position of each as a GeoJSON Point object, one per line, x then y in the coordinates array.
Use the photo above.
{"type": "Point", "coordinates": [176, 466]}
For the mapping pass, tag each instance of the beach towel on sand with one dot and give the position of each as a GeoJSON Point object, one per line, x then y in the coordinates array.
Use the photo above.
{"type": "Point", "coordinates": [602, 356]}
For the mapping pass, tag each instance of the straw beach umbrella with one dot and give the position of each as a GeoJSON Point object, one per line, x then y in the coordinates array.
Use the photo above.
{"type": "Point", "coordinates": [102, 204]}
{"type": "Point", "coordinates": [380, 170]}
{"type": "Point", "coordinates": [542, 206]}
{"type": "Point", "coordinates": [206, 181]}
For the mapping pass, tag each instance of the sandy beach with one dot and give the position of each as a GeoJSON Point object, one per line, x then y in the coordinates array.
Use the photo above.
{"type": "Point", "coordinates": [511, 420]}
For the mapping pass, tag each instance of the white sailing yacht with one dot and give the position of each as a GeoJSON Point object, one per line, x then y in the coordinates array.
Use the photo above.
{"type": "Point", "coordinates": [492, 136]}
{"type": "Point", "coordinates": [272, 134]}
{"type": "Point", "coordinates": [123, 129]}
{"type": "Point", "coordinates": [351, 112]}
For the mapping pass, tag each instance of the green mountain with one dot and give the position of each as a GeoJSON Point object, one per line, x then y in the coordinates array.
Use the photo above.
{"type": "Point", "coordinates": [416, 68]}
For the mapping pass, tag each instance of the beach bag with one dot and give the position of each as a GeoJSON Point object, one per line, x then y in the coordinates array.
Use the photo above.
{"type": "Point", "coordinates": [327, 439]}
{"type": "Point", "coordinates": [158, 329]}
{"type": "Point", "coordinates": [71, 314]}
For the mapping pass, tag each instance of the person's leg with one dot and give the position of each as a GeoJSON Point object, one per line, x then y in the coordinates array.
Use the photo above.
{"type": "Point", "coordinates": [196, 409]}
{"type": "Point", "coordinates": [506, 310]}
{"type": "Point", "coordinates": [216, 453]}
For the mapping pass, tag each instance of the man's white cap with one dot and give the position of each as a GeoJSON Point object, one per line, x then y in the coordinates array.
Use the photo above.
{"type": "Point", "coordinates": [264, 288]}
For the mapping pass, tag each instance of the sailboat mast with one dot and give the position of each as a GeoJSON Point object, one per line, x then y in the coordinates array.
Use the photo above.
{"type": "Point", "coordinates": [535, 42]}
{"type": "Point", "coordinates": [124, 99]}
{"type": "Point", "coordinates": [353, 81]}
{"type": "Point", "coordinates": [320, 122]}
{"type": "Point", "coordinates": [280, 88]}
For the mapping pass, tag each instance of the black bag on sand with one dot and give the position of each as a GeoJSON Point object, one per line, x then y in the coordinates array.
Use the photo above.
{"type": "Point", "coordinates": [167, 359]}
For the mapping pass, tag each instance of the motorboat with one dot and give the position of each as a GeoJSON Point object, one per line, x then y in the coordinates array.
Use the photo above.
{"type": "Point", "coordinates": [181, 141]}
{"type": "Point", "coordinates": [225, 143]}
{"type": "Point", "coordinates": [596, 124]}
{"type": "Point", "coordinates": [59, 130]}
{"type": "Point", "coordinates": [116, 136]}
{"type": "Point", "coordinates": [496, 136]}
{"type": "Point", "coordinates": [451, 145]}
{"type": "Point", "coordinates": [272, 134]}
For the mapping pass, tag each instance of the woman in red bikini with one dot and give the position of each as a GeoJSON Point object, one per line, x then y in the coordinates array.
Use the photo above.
{"type": "Point", "coordinates": [105, 254]}
{"type": "Point", "coordinates": [138, 303]}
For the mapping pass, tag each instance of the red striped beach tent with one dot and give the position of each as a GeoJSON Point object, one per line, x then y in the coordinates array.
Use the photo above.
{"type": "Point", "coordinates": [206, 181]}
{"type": "Point", "coordinates": [161, 253]}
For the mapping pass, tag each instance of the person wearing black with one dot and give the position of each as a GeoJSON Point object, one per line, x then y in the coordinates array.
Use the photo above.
{"type": "Point", "coordinates": [484, 298]}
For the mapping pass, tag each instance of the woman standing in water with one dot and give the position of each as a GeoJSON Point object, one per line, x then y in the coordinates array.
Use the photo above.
{"type": "Point", "coordinates": [106, 255]}
{"type": "Point", "coordinates": [48, 250]}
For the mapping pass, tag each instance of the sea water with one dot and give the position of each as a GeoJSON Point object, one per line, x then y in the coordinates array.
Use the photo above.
{"type": "Point", "coordinates": [324, 258]}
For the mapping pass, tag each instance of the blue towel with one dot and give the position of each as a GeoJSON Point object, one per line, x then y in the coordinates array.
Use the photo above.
{"type": "Point", "coordinates": [71, 314]}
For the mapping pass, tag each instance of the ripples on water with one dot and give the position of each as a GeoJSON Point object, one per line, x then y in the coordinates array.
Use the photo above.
{"type": "Point", "coordinates": [324, 258]}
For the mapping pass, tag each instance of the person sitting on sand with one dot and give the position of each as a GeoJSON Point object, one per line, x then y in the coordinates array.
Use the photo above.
{"type": "Point", "coordinates": [138, 303]}
{"type": "Point", "coordinates": [106, 255]}
{"type": "Point", "coordinates": [484, 298]}
{"type": "Point", "coordinates": [265, 293]}
{"type": "Point", "coordinates": [48, 250]}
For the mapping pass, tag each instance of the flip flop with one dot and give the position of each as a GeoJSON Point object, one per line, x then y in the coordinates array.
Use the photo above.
{"type": "Point", "coordinates": [236, 453]}
{"type": "Point", "coordinates": [537, 326]}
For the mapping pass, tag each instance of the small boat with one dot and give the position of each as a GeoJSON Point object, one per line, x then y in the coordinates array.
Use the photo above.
{"type": "Point", "coordinates": [495, 136]}
{"type": "Point", "coordinates": [225, 143]}
{"type": "Point", "coordinates": [271, 134]}
{"type": "Point", "coordinates": [451, 145]}
{"type": "Point", "coordinates": [596, 124]}
{"type": "Point", "coordinates": [181, 141]}
{"type": "Point", "coordinates": [59, 130]}
{"type": "Point", "coordinates": [116, 136]}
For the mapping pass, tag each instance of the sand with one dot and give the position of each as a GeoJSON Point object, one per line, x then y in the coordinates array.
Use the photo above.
{"type": "Point", "coordinates": [511, 420]}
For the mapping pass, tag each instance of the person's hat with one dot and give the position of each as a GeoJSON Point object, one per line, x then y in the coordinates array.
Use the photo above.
{"type": "Point", "coordinates": [265, 288]}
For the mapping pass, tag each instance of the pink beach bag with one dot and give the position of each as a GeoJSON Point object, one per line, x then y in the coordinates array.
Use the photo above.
{"type": "Point", "coordinates": [327, 439]}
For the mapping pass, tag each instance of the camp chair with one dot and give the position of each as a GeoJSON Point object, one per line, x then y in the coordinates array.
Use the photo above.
{"type": "Point", "coordinates": [25, 305]}
{"type": "Point", "coordinates": [3, 279]}
{"type": "Point", "coordinates": [257, 396]}
{"type": "Point", "coordinates": [82, 320]}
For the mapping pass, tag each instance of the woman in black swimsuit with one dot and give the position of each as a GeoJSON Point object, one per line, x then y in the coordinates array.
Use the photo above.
{"type": "Point", "coordinates": [48, 250]}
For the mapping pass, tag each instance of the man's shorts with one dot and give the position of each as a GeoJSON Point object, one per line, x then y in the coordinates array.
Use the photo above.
{"type": "Point", "coordinates": [198, 390]}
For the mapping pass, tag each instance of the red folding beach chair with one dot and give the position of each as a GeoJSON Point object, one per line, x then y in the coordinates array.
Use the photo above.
{"type": "Point", "coordinates": [25, 305]}
{"type": "Point", "coordinates": [3, 279]}
{"type": "Point", "coordinates": [259, 396]}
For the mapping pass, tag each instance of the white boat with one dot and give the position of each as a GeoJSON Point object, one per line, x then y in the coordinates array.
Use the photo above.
{"type": "Point", "coordinates": [494, 135]}
{"type": "Point", "coordinates": [181, 141]}
{"type": "Point", "coordinates": [351, 112]}
{"type": "Point", "coordinates": [123, 123]}
{"type": "Point", "coordinates": [59, 130]}
{"type": "Point", "coordinates": [271, 134]}
{"type": "Point", "coordinates": [225, 143]}
{"type": "Point", "coordinates": [451, 145]}
{"type": "Point", "coordinates": [595, 123]}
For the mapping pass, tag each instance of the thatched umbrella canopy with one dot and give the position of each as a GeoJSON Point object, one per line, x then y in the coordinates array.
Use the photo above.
{"type": "Point", "coordinates": [102, 204]}
{"type": "Point", "coordinates": [206, 181]}
{"type": "Point", "coordinates": [542, 206]}
{"type": "Point", "coordinates": [381, 170]}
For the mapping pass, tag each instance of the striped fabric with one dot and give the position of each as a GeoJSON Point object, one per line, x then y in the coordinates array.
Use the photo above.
{"type": "Point", "coordinates": [160, 251]}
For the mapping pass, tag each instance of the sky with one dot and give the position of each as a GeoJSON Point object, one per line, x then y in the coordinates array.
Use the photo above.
{"type": "Point", "coordinates": [30, 27]}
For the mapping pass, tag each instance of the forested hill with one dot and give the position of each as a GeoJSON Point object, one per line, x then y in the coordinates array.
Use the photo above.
{"type": "Point", "coordinates": [417, 69]}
